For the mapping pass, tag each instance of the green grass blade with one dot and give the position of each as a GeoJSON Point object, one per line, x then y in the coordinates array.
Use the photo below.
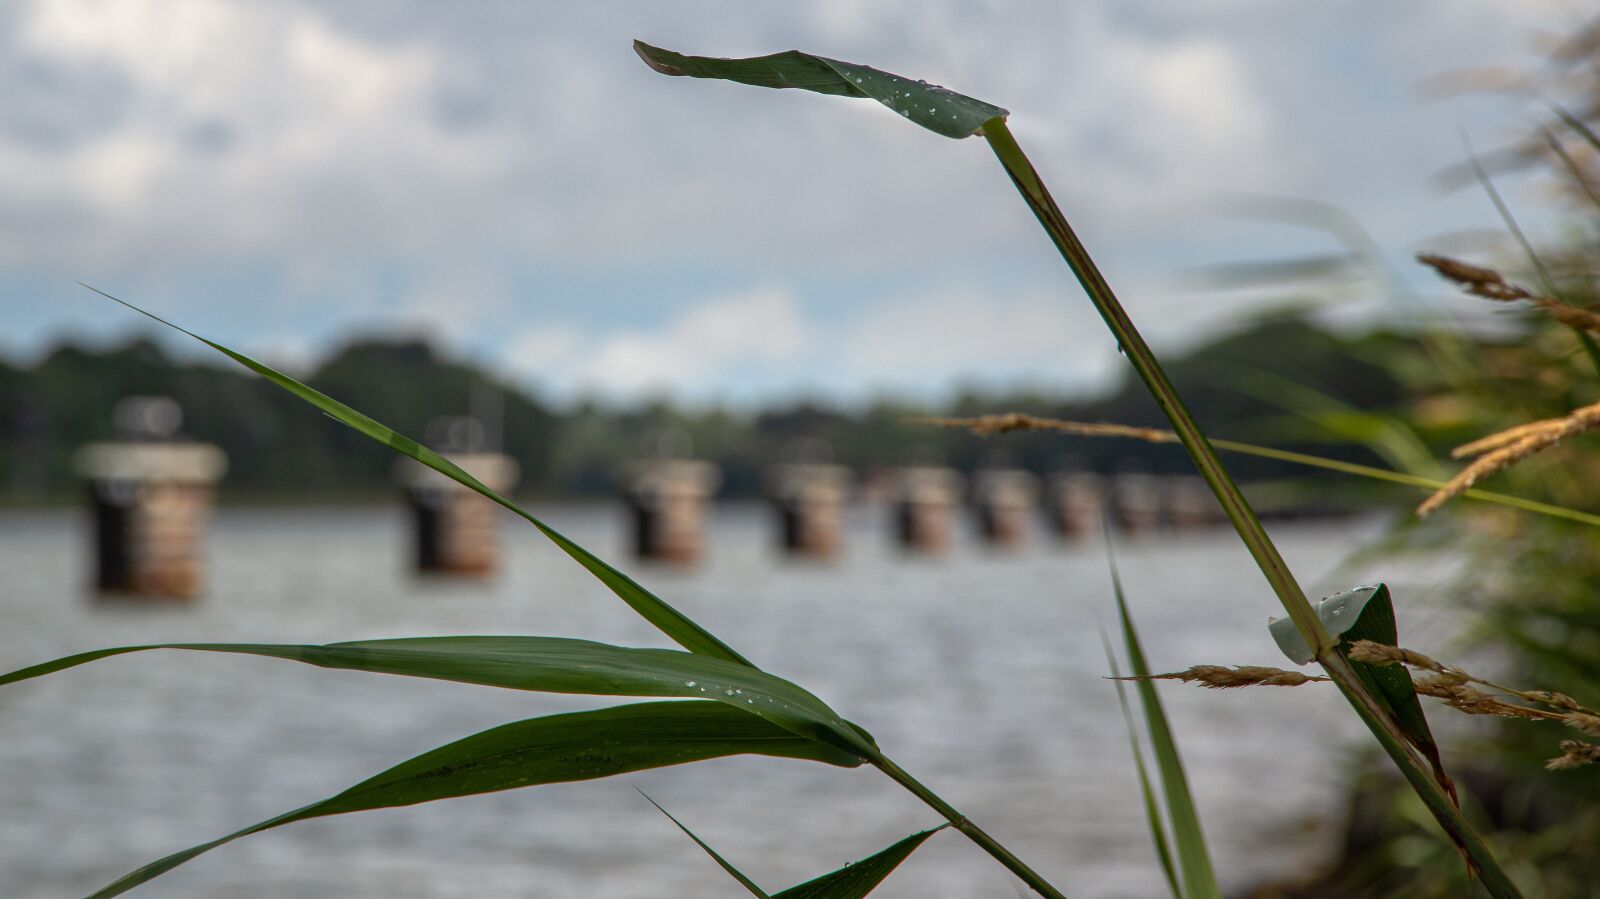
{"type": "Point", "coordinates": [1054, 222]}
{"type": "Point", "coordinates": [726, 865]}
{"type": "Point", "coordinates": [934, 108]}
{"type": "Point", "coordinates": [1579, 126]}
{"type": "Point", "coordinates": [1545, 279]}
{"type": "Point", "coordinates": [1194, 861]}
{"type": "Point", "coordinates": [553, 749]}
{"type": "Point", "coordinates": [652, 608]}
{"type": "Point", "coordinates": [1266, 452]}
{"type": "Point", "coordinates": [1152, 811]}
{"type": "Point", "coordinates": [857, 879]}
{"type": "Point", "coordinates": [853, 881]}
{"type": "Point", "coordinates": [1386, 435]}
{"type": "Point", "coordinates": [1384, 728]}
{"type": "Point", "coordinates": [1395, 477]}
{"type": "Point", "coordinates": [553, 665]}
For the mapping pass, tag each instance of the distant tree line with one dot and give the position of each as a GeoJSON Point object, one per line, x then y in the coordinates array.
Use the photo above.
{"type": "Point", "coordinates": [1241, 385]}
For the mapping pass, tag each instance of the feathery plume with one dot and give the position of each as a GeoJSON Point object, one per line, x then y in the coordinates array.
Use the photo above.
{"type": "Point", "coordinates": [986, 425]}
{"type": "Point", "coordinates": [1507, 448]}
{"type": "Point", "coordinates": [1374, 653]}
{"type": "Point", "coordinates": [1489, 284]}
{"type": "Point", "coordinates": [1575, 754]}
{"type": "Point", "coordinates": [1221, 677]}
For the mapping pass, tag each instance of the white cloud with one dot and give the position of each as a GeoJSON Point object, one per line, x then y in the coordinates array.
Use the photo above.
{"type": "Point", "coordinates": [393, 160]}
{"type": "Point", "coordinates": [922, 343]}
{"type": "Point", "coordinates": [244, 128]}
{"type": "Point", "coordinates": [712, 343]}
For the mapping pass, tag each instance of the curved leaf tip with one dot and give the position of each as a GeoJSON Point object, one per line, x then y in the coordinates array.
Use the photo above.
{"type": "Point", "coordinates": [935, 108]}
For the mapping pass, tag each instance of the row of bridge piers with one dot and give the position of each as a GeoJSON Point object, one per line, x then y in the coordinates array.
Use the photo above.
{"type": "Point", "coordinates": [150, 496]}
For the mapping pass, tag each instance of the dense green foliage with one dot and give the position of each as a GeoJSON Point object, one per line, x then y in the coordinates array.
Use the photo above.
{"type": "Point", "coordinates": [66, 398]}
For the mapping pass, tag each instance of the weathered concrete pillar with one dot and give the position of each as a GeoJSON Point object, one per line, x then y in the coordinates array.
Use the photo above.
{"type": "Point", "coordinates": [810, 500]}
{"type": "Point", "coordinates": [1136, 501]}
{"type": "Point", "coordinates": [1076, 503]}
{"type": "Point", "coordinates": [455, 530]}
{"type": "Point", "coordinates": [1190, 504]}
{"type": "Point", "coordinates": [1006, 500]}
{"type": "Point", "coordinates": [149, 499]}
{"type": "Point", "coordinates": [667, 501]}
{"type": "Point", "coordinates": [925, 501]}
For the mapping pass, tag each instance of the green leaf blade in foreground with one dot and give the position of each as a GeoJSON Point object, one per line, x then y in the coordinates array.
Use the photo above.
{"type": "Point", "coordinates": [727, 866]}
{"type": "Point", "coordinates": [554, 749]}
{"type": "Point", "coordinates": [1152, 812]}
{"type": "Point", "coordinates": [857, 879]}
{"type": "Point", "coordinates": [1194, 860]}
{"type": "Point", "coordinates": [682, 629]}
{"type": "Point", "coordinates": [933, 107]}
{"type": "Point", "coordinates": [552, 665]}
{"type": "Point", "coordinates": [853, 881]}
{"type": "Point", "coordinates": [1367, 613]}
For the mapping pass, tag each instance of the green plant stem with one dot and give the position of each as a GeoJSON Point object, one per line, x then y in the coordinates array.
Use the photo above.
{"type": "Point", "coordinates": [1031, 186]}
{"type": "Point", "coordinates": [1144, 362]}
{"type": "Point", "coordinates": [962, 823]}
{"type": "Point", "coordinates": [1410, 480]}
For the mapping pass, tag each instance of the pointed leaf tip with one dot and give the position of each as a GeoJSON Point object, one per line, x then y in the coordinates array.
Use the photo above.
{"type": "Point", "coordinates": [933, 107]}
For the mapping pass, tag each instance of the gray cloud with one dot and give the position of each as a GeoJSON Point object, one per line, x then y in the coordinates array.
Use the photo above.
{"type": "Point", "coordinates": [457, 147]}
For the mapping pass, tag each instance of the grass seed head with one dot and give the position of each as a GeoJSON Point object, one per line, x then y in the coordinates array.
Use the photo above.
{"type": "Point", "coordinates": [1575, 754]}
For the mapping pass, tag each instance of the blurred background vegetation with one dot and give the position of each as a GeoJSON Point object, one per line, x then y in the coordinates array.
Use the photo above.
{"type": "Point", "coordinates": [277, 450]}
{"type": "Point", "coordinates": [1531, 583]}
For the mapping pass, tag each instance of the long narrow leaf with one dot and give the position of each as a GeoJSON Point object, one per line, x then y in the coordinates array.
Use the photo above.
{"type": "Point", "coordinates": [1251, 532]}
{"type": "Point", "coordinates": [1194, 861]}
{"type": "Point", "coordinates": [853, 881]}
{"type": "Point", "coordinates": [554, 749]}
{"type": "Point", "coordinates": [1152, 811]}
{"type": "Point", "coordinates": [726, 865]}
{"type": "Point", "coordinates": [929, 105]}
{"type": "Point", "coordinates": [551, 665]}
{"type": "Point", "coordinates": [652, 608]}
{"type": "Point", "coordinates": [857, 879]}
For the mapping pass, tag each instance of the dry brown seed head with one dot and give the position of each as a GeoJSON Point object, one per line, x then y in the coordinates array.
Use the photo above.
{"type": "Point", "coordinates": [1374, 653]}
{"type": "Point", "coordinates": [1483, 282]}
{"type": "Point", "coordinates": [1575, 754]}
{"type": "Point", "coordinates": [1511, 447]}
{"type": "Point", "coordinates": [1585, 721]}
{"type": "Point", "coordinates": [1221, 677]}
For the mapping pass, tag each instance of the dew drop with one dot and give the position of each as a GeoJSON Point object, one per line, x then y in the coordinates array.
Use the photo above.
{"type": "Point", "coordinates": [690, 683]}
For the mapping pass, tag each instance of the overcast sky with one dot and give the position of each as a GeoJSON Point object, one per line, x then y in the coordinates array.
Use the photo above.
{"type": "Point", "coordinates": [511, 179]}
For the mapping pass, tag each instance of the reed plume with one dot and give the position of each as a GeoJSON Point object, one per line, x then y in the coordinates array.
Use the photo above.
{"type": "Point", "coordinates": [1491, 285]}
{"type": "Point", "coordinates": [1221, 677]}
{"type": "Point", "coordinates": [1454, 686]}
{"type": "Point", "coordinates": [1504, 449]}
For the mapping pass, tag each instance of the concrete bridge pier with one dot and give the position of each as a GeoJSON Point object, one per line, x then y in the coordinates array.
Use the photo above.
{"type": "Point", "coordinates": [925, 499]}
{"type": "Point", "coordinates": [667, 500]}
{"type": "Point", "coordinates": [149, 497]}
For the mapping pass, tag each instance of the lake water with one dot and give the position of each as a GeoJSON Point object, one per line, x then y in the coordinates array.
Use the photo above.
{"type": "Point", "coordinates": [980, 673]}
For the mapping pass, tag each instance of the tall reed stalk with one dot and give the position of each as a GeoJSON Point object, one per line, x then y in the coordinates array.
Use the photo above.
{"type": "Point", "coordinates": [954, 115]}
{"type": "Point", "coordinates": [1245, 522]}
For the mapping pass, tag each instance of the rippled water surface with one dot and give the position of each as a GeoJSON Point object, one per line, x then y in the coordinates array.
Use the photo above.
{"type": "Point", "coordinates": [981, 673]}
